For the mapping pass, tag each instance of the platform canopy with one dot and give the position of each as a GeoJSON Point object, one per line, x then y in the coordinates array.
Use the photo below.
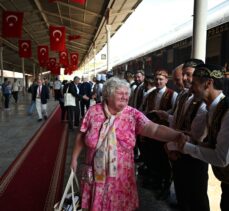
{"type": "Point", "coordinates": [86, 21]}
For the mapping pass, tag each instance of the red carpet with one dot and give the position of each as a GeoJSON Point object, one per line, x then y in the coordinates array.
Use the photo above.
{"type": "Point", "coordinates": [34, 180]}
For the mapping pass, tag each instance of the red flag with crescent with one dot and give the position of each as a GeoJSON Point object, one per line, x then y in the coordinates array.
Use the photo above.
{"type": "Point", "coordinates": [63, 58]}
{"type": "Point", "coordinates": [74, 58]}
{"type": "Point", "coordinates": [70, 69]}
{"type": "Point", "coordinates": [43, 54]}
{"type": "Point", "coordinates": [57, 38]}
{"type": "Point", "coordinates": [51, 63]}
{"type": "Point", "coordinates": [55, 69]}
{"type": "Point", "coordinates": [12, 24]}
{"type": "Point", "coordinates": [25, 50]}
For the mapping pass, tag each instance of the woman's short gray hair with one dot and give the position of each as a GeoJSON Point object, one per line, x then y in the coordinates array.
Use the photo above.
{"type": "Point", "coordinates": [112, 84]}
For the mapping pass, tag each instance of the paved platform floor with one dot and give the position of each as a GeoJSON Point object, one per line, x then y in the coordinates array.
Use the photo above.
{"type": "Point", "coordinates": [16, 129]}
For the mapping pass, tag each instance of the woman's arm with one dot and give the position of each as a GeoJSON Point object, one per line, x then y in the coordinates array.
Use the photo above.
{"type": "Point", "coordinates": [161, 133]}
{"type": "Point", "coordinates": [79, 145]}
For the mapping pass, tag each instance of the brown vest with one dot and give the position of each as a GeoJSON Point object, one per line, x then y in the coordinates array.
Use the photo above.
{"type": "Point", "coordinates": [221, 173]}
{"type": "Point", "coordinates": [166, 100]}
{"type": "Point", "coordinates": [165, 105]}
{"type": "Point", "coordinates": [183, 121]}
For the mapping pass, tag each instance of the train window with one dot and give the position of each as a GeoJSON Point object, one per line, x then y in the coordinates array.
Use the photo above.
{"type": "Point", "coordinates": [214, 46]}
{"type": "Point", "coordinates": [170, 56]}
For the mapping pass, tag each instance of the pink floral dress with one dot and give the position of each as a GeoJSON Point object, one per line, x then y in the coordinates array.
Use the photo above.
{"type": "Point", "coordinates": [119, 193]}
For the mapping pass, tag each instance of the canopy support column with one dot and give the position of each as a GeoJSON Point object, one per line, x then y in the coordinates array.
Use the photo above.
{"type": "Point", "coordinates": [199, 30]}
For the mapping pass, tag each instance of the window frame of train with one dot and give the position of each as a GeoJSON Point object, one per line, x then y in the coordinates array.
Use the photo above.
{"type": "Point", "coordinates": [217, 51]}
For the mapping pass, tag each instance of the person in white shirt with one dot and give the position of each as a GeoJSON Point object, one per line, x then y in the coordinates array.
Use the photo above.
{"type": "Point", "coordinates": [190, 117]}
{"type": "Point", "coordinates": [161, 98]}
{"type": "Point", "coordinates": [57, 88]}
{"type": "Point", "coordinates": [208, 85]}
{"type": "Point", "coordinates": [40, 96]}
{"type": "Point", "coordinates": [15, 89]}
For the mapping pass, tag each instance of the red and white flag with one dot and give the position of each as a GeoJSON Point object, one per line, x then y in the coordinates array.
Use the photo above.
{"type": "Point", "coordinates": [43, 54]}
{"type": "Point", "coordinates": [57, 38]}
{"type": "Point", "coordinates": [51, 63]}
{"type": "Point", "coordinates": [55, 69]}
{"type": "Point", "coordinates": [25, 50]}
{"type": "Point", "coordinates": [12, 24]}
{"type": "Point", "coordinates": [63, 58]}
{"type": "Point", "coordinates": [70, 69]}
{"type": "Point", "coordinates": [74, 58]}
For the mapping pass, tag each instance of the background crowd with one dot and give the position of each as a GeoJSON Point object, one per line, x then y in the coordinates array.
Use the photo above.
{"type": "Point", "coordinates": [192, 99]}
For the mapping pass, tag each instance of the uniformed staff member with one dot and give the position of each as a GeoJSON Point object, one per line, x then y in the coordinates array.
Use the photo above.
{"type": "Point", "coordinates": [190, 175]}
{"type": "Point", "coordinates": [161, 98]}
{"type": "Point", "coordinates": [208, 85]}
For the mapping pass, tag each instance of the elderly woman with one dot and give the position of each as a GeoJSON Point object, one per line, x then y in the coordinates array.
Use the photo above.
{"type": "Point", "coordinates": [108, 132]}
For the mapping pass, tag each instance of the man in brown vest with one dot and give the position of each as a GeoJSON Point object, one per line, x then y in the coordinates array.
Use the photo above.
{"type": "Point", "coordinates": [190, 117]}
{"type": "Point", "coordinates": [208, 85]}
{"type": "Point", "coordinates": [157, 161]}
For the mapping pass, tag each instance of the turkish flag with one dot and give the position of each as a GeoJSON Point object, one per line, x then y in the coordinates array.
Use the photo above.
{"type": "Point", "coordinates": [63, 58]}
{"type": "Point", "coordinates": [57, 38]}
{"type": "Point", "coordinates": [25, 50]}
{"type": "Point", "coordinates": [55, 69]}
{"type": "Point", "coordinates": [69, 69]}
{"type": "Point", "coordinates": [74, 58]}
{"type": "Point", "coordinates": [51, 63]}
{"type": "Point", "coordinates": [73, 37]}
{"type": "Point", "coordinates": [79, 1]}
{"type": "Point", "coordinates": [12, 24]}
{"type": "Point", "coordinates": [43, 54]}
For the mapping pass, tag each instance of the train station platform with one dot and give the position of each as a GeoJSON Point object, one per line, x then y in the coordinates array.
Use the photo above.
{"type": "Point", "coordinates": [18, 130]}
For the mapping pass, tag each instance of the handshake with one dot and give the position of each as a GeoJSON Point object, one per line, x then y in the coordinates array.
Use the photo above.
{"type": "Point", "coordinates": [174, 148]}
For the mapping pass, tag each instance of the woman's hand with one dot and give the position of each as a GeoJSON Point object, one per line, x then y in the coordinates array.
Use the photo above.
{"type": "Point", "coordinates": [180, 141]}
{"type": "Point", "coordinates": [171, 151]}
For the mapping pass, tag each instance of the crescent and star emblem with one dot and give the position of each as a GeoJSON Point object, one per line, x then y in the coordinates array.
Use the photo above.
{"type": "Point", "coordinates": [25, 46]}
{"type": "Point", "coordinates": [74, 57]}
{"type": "Point", "coordinates": [11, 19]}
{"type": "Point", "coordinates": [57, 34]}
{"type": "Point", "coordinates": [63, 54]}
{"type": "Point", "coordinates": [43, 51]}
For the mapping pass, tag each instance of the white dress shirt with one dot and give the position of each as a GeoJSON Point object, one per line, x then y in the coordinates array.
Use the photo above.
{"type": "Point", "coordinates": [220, 155]}
{"type": "Point", "coordinates": [39, 89]}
